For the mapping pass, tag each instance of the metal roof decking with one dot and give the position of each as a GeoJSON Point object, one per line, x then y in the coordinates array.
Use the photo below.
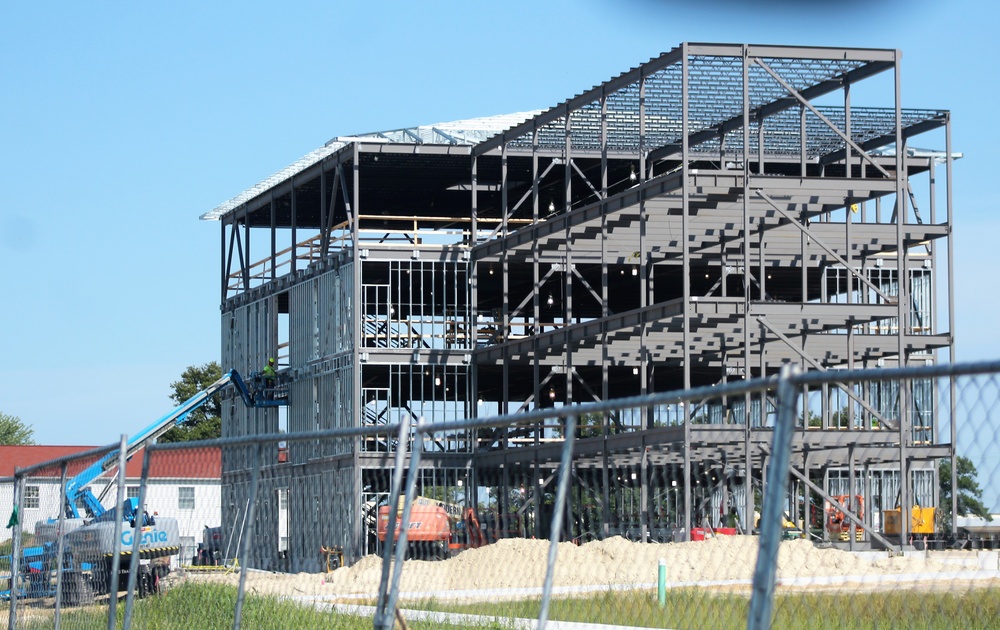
{"type": "Point", "coordinates": [714, 85]}
{"type": "Point", "coordinates": [460, 132]}
{"type": "Point", "coordinates": [714, 91]}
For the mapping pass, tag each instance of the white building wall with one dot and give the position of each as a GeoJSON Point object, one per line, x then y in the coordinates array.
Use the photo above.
{"type": "Point", "coordinates": [48, 504]}
{"type": "Point", "coordinates": [162, 499]}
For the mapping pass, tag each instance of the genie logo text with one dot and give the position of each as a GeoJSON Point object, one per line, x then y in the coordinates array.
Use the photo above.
{"type": "Point", "coordinates": [150, 536]}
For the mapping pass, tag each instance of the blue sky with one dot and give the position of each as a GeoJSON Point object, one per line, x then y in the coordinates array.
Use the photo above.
{"type": "Point", "coordinates": [124, 121]}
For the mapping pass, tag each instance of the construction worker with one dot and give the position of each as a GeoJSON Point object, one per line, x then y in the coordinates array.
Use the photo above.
{"type": "Point", "coordinates": [269, 375]}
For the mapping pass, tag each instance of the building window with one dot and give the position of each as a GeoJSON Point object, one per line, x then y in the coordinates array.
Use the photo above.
{"type": "Point", "coordinates": [185, 498]}
{"type": "Point", "coordinates": [131, 492]}
{"type": "Point", "coordinates": [31, 498]}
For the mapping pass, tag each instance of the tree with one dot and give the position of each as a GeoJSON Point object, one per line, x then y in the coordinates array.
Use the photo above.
{"type": "Point", "coordinates": [205, 422]}
{"type": "Point", "coordinates": [838, 420]}
{"type": "Point", "coordinates": [587, 425]}
{"type": "Point", "coordinates": [969, 493]}
{"type": "Point", "coordinates": [14, 432]}
{"type": "Point", "coordinates": [815, 421]}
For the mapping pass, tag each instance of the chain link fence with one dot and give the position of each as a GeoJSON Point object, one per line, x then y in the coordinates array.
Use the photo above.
{"type": "Point", "coordinates": [767, 503]}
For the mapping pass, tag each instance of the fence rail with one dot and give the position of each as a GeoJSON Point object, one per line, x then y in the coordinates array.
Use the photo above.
{"type": "Point", "coordinates": [762, 502]}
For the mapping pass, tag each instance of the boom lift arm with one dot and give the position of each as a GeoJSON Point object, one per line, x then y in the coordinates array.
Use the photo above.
{"type": "Point", "coordinates": [77, 489]}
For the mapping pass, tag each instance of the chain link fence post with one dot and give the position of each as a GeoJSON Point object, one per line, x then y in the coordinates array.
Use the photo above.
{"type": "Point", "coordinates": [380, 616]}
{"type": "Point", "coordinates": [116, 556]}
{"type": "Point", "coordinates": [242, 551]}
{"type": "Point", "coordinates": [61, 545]}
{"type": "Point", "coordinates": [566, 462]}
{"type": "Point", "coordinates": [400, 555]}
{"type": "Point", "coordinates": [140, 520]}
{"type": "Point", "coordinates": [762, 597]}
{"type": "Point", "coordinates": [15, 549]}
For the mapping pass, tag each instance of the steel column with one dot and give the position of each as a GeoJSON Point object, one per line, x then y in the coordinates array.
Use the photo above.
{"type": "Point", "coordinates": [953, 390]}
{"type": "Point", "coordinates": [902, 282]}
{"type": "Point", "coordinates": [747, 420]}
{"type": "Point", "coordinates": [685, 264]}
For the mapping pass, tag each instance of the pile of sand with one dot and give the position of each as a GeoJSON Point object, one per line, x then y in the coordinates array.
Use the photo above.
{"type": "Point", "coordinates": [519, 563]}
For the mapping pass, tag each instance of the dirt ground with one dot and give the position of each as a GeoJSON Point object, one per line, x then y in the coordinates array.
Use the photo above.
{"type": "Point", "coordinates": [507, 568]}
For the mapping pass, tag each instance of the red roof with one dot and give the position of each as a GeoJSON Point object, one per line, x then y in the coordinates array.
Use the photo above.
{"type": "Point", "coordinates": [194, 463]}
{"type": "Point", "coordinates": [12, 457]}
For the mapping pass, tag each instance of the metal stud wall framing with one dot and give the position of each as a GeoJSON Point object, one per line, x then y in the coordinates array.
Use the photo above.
{"type": "Point", "coordinates": [249, 339]}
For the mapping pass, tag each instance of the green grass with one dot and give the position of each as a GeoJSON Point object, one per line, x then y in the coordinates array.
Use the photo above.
{"type": "Point", "coordinates": [690, 608]}
{"type": "Point", "coordinates": [203, 607]}
{"type": "Point", "coordinates": [210, 606]}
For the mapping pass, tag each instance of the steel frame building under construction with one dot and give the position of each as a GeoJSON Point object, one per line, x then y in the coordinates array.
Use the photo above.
{"type": "Point", "coordinates": [705, 217]}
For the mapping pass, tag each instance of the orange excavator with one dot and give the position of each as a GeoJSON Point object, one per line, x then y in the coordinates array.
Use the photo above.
{"type": "Point", "coordinates": [837, 522]}
{"type": "Point", "coordinates": [437, 529]}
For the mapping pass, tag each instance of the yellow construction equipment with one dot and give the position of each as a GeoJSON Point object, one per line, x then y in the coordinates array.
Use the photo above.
{"type": "Point", "coordinates": [921, 520]}
{"type": "Point", "coordinates": [334, 557]}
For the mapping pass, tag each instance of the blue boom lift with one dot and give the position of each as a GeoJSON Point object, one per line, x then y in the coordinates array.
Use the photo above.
{"type": "Point", "coordinates": [89, 526]}
{"type": "Point", "coordinates": [78, 493]}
